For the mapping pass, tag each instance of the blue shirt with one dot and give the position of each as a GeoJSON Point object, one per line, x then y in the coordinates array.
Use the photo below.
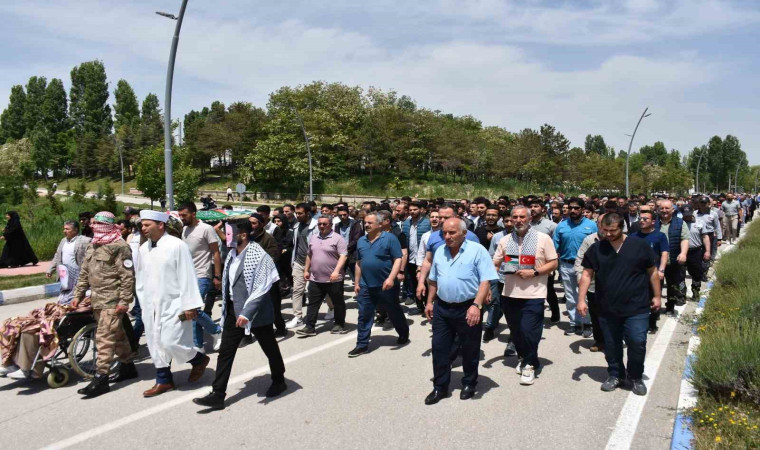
{"type": "Point", "coordinates": [459, 278]}
{"type": "Point", "coordinates": [377, 258]}
{"type": "Point", "coordinates": [436, 240]}
{"type": "Point", "coordinates": [569, 236]}
{"type": "Point", "coordinates": [657, 241]}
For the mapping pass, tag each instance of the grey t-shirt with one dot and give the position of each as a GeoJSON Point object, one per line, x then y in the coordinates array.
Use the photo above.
{"type": "Point", "coordinates": [731, 208]}
{"type": "Point", "coordinates": [545, 226]}
{"type": "Point", "coordinates": [199, 239]}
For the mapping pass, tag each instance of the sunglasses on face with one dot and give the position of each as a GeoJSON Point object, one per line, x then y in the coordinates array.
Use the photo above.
{"type": "Point", "coordinates": [574, 207]}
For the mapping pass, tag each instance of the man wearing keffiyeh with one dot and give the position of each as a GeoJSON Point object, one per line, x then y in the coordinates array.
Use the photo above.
{"type": "Point", "coordinates": [108, 271]}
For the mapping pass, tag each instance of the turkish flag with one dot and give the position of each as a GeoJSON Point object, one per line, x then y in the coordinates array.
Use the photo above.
{"type": "Point", "coordinates": [527, 260]}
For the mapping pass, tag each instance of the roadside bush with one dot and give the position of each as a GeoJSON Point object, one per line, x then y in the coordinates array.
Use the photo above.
{"type": "Point", "coordinates": [727, 367]}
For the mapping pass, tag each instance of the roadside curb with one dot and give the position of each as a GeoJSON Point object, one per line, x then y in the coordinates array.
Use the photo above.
{"type": "Point", "coordinates": [29, 294]}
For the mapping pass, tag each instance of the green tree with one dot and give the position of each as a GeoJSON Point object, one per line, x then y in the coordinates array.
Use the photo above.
{"type": "Point", "coordinates": [126, 109]}
{"type": "Point", "coordinates": [12, 124]}
{"type": "Point", "coordinates": [655, 154]}
{"type": "Point", "coordinates": [595, 144]}
{"type": "Point", "coordinates": [56, 121]}
{"type": "Point", "coordinates": [151, 123]}
{"type": "Point", "coordinates": [149, 174]}
{"type": "Point", "coordinates": [90, 115]}
{"type": "Point", "coordinates": [35, 97]}
{"type": "Point", "coordinates": [186, 182]}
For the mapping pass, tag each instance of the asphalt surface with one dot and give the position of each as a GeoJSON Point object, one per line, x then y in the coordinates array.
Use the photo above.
{"type": "Point", "coordinates": [373, 401]}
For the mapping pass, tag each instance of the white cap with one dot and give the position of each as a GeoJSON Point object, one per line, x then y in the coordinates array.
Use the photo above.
{"type": "Point", "coordinates": [156, 216]}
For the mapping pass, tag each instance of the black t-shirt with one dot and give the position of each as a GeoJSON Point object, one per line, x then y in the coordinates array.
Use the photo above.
{"type": "Point", "coordinates": [396, 231]}
{"type": "Point", "coordinates": [622, 281]}
{"type": "Point", "coordinates": [482, 234]}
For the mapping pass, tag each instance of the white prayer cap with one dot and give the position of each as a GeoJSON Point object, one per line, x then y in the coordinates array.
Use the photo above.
{"type": "Point", "coordinates": [156, 216]}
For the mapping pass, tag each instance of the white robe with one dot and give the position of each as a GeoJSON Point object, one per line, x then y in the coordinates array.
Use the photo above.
{"type": "Point", "coordinates": [166, 285]}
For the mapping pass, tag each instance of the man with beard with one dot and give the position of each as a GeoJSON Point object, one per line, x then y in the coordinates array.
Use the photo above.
{"type": "Point", "coordinates": [543, 225]}
{"type": "Point", "coordinates": [413, 228]}
{"type": "Point", "coordinates": [627, 289]}
{"type": "Point", "coordinates": [526, 257]}
{"type": "Point", "coordinates": [568, 237]}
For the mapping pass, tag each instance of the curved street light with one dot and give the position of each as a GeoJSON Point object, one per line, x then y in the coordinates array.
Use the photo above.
{"type": "Point", "coordinates": [696, 189]}
{"type": "Point", "coordinates": [168, 104]}
{"type": "Point", "coordinates": [628, 155]}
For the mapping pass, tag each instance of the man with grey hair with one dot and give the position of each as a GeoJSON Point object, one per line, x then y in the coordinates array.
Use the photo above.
{"type": "Point", "coordinates": [460, 280]}
{"type": "Point", "coordinates": [378, 261]}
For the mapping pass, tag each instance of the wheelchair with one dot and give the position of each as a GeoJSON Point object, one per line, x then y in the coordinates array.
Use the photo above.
{"type": "Point", "coordinates": [76, 349]}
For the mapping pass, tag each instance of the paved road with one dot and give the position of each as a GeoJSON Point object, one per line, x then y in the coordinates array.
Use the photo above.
{"type": "Point", "coordinates": [372, 401]}
{"type": "Point", "coordinates": [41, 267]}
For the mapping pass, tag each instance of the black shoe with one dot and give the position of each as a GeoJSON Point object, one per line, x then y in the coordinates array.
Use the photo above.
{"type": "Point", "coordinates": [653, 330]}
{"type": "Point", "coordinates": [488, 335]}
{"type": "Point", "coordinates": [281, 333]}
{"type": "Point", "coordinates": [435, 397]}
{"type": "Point", "coordinates": [638, 387]}
{"type": "Point", "coordinates": [555, 317]}
{"type": "Point", "coordinates": [98, 386]}
{"type": "Point", "coordinates": [213, 401]}
{"type": "Point", "coordinates": [611, 384]}
{"type": "Point", "coordinates": [511, 350]}
{"type": "Point", "coordinates": [127, 371]}
{"type": "Point", "coordinates": [587, 331]}
{"type": "Point", "coordinates": [670, 313]}
{"type": "Point", "coordinates": [467, 393]}
{"type": "Point", "coordinates": [571, 330]}
{"type": "Point", "coordinates": [357, 351]}
{"type": "Point", "coordinates": [306, 331]}
{"type": "Point", "coordinates": [680, 302]}
{"type": "Point", "coordinates": [402, 340]}
{"type": "Point", "coordinates": [277, 388]}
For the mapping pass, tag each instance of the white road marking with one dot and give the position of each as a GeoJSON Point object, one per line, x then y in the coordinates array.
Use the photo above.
{"type": "Point", "coordinates": [628, 420]}
{"type": "Point", "coordinates": [89, 434]}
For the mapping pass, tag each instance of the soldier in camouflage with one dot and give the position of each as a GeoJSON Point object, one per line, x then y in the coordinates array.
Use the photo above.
{"type": "Point", "coordinates": [108, 271]}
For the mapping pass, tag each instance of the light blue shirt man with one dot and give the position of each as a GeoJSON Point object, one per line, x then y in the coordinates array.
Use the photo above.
{"type": "Point", "coordinates": [458, 278]}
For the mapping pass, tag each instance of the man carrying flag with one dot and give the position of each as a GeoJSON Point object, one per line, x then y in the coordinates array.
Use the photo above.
{"type": "Point", "coordinates": [526, 258]}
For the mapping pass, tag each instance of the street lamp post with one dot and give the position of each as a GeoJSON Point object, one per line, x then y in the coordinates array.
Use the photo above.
{"type": "Point", "coordinates": [736, 178]}
{"type": "Point", "coordinates": [628, 155]}
{"type": "Point", "coordinates": [308, 150]}
{"type": "Point", "coordinates": [168, 104]}
{"type": "Point", "coordinates": [698, 164]}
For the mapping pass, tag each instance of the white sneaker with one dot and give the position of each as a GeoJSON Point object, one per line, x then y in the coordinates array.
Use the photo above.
{"type": "Point", "coordinates": [518, 369]}
{"type": "Point", "coordinates": [217, 341]}
{"type": "Point", "coordinates": [330, 314]}
{"type": "Point", "coordinates": [294, 322]}
{"type": "Point", "coordinates": [5, 370]}
{"type": "Point", "coordinates": [528, 375]}
{"type": "Point", "coordinates": [18, 375]}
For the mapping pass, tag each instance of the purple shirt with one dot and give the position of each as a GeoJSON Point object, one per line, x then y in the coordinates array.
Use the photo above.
{"type": "Point", "coordinates": [324, 252]}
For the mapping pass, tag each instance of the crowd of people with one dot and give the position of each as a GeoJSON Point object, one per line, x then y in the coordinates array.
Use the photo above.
{"type": "Point", "coordinates": [462, 265]}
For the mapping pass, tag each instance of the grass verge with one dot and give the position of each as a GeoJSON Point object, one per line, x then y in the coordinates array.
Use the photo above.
{"type": "Point", "coordinates": [19, 281]}
{"type": "Point", "coordinates": [727, 367]}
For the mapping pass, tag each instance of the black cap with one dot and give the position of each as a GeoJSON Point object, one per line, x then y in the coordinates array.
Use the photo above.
{"type": "Point", "coordinates": [687, 211]}
{"type": "Point", "coordinates": [704, 199]}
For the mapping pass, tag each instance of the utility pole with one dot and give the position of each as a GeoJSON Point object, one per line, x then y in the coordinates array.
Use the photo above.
{"type": "Point", "coordinates": [698, 164]}
{"type": "Point", "coordinates": [168, 104]}
{"type": "Point", "coordinates": [308, 150]}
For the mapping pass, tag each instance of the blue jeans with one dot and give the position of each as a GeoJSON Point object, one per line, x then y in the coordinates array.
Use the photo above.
{"type": "Point", "coordinates": [494, 308]}
{"type": "Point", "coordinates": [633, 330]}
{"type": "Point", "coordinates": [139, 326]}
{"type": "Point", "coordinates": [526, 324]}
{"type": "Point", "coordinates": [570, 283]}
{"type": "Point", "coordinates": [368, 300]}
{"type": "Point", "coordinates": [203, 321]}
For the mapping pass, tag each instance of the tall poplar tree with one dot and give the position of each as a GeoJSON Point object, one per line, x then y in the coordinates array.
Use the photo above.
{"type": "Point", "coordinates": [12, 125]}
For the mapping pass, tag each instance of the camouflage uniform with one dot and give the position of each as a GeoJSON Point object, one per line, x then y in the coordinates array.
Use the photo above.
{"type": "Point", "coordinates": [109, 273]}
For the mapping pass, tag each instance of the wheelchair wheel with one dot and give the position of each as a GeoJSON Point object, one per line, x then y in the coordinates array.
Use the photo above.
{"type": "Point", "coordinates": [82, 352]}
{"type": "Point", "coordinates": [58, 377]}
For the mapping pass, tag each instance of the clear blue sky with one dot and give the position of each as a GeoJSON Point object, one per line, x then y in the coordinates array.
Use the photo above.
{"type": "Point", "coordinates": [582, 66]}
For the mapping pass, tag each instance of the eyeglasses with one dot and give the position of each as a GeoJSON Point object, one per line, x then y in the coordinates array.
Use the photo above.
{"type": "Point", "coordinates": [575, 207]}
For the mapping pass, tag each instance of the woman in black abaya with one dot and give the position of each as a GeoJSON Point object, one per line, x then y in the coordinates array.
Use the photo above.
{"type": "Point", "coordinates": [17, 251]}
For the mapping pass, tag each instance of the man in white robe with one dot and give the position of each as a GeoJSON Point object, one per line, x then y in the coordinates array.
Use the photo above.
{"type": "Point", "coordinates": [167, 288]}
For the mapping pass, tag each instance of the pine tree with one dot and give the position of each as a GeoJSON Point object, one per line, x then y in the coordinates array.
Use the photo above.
{"type": "Point", "coordinates": [12, 124]}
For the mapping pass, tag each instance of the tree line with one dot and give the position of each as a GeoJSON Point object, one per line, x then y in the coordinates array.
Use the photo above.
{"type": "Point", "coordinates": [352, 132]}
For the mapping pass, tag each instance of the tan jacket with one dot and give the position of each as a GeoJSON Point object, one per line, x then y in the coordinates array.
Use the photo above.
{"type": "Point", "coordinates": [109, 272]}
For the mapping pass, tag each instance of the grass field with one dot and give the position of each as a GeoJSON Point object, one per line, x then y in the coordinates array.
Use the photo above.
{"type": "Point", "coordinates": [727, 368]}
{"type": "Point", "coordinates": [19, 281]}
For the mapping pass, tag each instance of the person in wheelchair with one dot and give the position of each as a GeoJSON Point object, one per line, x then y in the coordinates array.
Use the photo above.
{"type": "Point", "coordinates": [108, 272]}
{"type": "Point", "coordinates": [22, 336]}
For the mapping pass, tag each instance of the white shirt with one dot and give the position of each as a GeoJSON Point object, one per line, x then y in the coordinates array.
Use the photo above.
{"type": "Point", "coordinates": [235, 264]}
{"type": "Point", "coordinates": [422, 248]}
{"type": "Point", "coordinates": [68, 257]}
{"type": "Point", "coordinates": [269, 227]}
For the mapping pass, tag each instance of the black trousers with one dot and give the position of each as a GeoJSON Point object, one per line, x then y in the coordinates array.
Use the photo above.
{"type": "Point", "coordinates": [695, 267]}
{"type": "Point", "coordinates": [231, 337]}
{"type": "Point", "coordinates": [450, 321]}
{"type": "Point", "coordinates": [675, 282]}
{"type": "Point", "coordinates": [316, 295]}
{"type": "Point", "coordinates": [276, 296]}
{"type": "Point", "coordinates": [593, 310]}
{"type": "Point", "coordinates": [551, 296]}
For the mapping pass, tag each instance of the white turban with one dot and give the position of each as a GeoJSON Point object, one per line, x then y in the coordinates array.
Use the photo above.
{"type": "Point", "coordinates": [156, 216]}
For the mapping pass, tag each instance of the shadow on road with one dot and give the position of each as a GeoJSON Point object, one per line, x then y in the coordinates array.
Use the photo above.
{"type": "Point", "coordinates": [596, 373]}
